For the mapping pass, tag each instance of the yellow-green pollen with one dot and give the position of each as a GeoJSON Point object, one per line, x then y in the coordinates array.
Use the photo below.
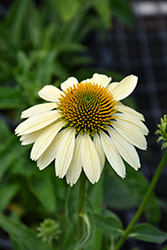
{"type": "Point", "coordinates": [87, 107]}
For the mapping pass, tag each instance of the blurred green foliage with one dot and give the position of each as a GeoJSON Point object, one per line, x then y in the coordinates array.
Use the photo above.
{"type": "Point", "coordinates": [44, 44]}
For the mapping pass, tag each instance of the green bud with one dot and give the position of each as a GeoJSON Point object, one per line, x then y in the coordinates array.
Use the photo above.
{"type": "Point", "coordinates": [48, 230]}
{"type": "Point", "coordinates": [162, 131]}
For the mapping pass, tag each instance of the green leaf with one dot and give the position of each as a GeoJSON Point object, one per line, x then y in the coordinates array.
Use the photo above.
{"type": "Point", "coordinates": [104, 10]}
{"type": "Point", "coordinates": [10, 98]}
{"type": "Point", "coordinates": [110, 224]}
{"type": "Point", "coordinates": [121, 9]}
{"type": "Point", "coordinates": [7, 193]}
{"type": "Point", "coordinates": [88, 232]}
{"type": "Point", "coordinates": [42, 187]}
{"type": "Point", "coordinates": [148, 233]}
{"type": "Point", "coordinates": [4, 132]}
{"type": "Point", "coordinates": [68, 8]}
{"type": "Point", "coordinates": [26, 238]}
{"type": "Point", "coordinates": [129, 192]}
{"type": "Point", "coordinates": [9, 154]}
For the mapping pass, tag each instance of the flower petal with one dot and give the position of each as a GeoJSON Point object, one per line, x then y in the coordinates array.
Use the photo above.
{"type": "Point", "coordinates": [132, 120]}
{"type": "Point", "coordinates": [125, 109]}
{"type": "Point", "coordinates": [65, 153]}
{"type": "Point", "coordinates": [112, 154]}
{"type": "Point", "coordinates": [90, 159]}
{"type": "Point", "coordinates": [75, 167]}
{"type": "Point", "coordinates": [50, 153]}
{"type": "Point", "coordinates": [124, 88]}
{"type": "Point", "coordinates": [131, 134]}
{"type": "Point", "coordinates": [37, 122]}
{"type": "Point", "coordinates": [38, 109]}
{"type": "Point", "coordinates": [125, 149]}
{"type": "Point", "coordinates": [99, 149]}
{"type": "Point", "coordinates": [101, 79]}
{"type": "Point", "coordinates": [45, 138]}
{"type": "Point", "coordinates": [30, 138]}
{"type": "Point", "coordinates": [50, 93]}
{"type": "Point", "coordinates": [69, 83]}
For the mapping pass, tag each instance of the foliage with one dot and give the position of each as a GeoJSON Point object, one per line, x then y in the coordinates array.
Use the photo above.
{"type": "Point", "coordinates": [42, 45]}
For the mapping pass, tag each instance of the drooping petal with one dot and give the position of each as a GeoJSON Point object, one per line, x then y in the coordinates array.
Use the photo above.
{"type": "Point", "coordinates": [125, 149]}
{"type": "Point", "coordinates": [125, 109]}
{"type": "Point", "coordinates": [37, 122]}
{"type": "Point", "coordinates": [50, 153]}
{"type": "Point", "coordinates": [101, 79]}
{"type": "Point", "coordinates": [75, 167]}
{"type": "Point", "coordinates": [30, 138]}
{"type": "Point", "coordinates": [127, 119]}
{"type": "Point", "coordinates": [99, 149]}
{"type": "Point", "coordinates": [65, 153]}
{"type": "Point", "coordinates": [112, 154]}
{"type": "Point", "coordinates": [69, 83]}
{"type": "Point", "coordinates": [131, 134]}
{"type": "Point", "coordinates": [45, 138]}
{"type": "Point", "coordinates": [50, 93]}
{"type": "Point", "coordinates": [124, 88]}
{"type": "Point", "coordinates": [38, 109]}
{"type": "Point", "coordinates": [90, 159]}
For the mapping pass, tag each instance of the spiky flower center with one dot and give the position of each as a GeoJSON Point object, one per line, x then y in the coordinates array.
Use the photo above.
{"type": "Point", "coordinates": [87, 107]}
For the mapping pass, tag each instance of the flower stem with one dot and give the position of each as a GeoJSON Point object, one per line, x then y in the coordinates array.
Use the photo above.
{"type": "Point", "coordinates": [81, 198]}
{"type": "Point", "coordinates": [144, 202]}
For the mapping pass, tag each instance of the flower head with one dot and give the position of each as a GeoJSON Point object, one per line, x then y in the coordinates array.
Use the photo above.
{"type": "Point", "coordinates": [82, 123]}
{"type": "Point", "coordinates": [48, 230]}
{"type": "Point", "coordinates": [162, 131]}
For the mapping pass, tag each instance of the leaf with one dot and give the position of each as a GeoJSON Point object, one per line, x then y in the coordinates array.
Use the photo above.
{"type": "Point", "coordinates": [68, 8]}
{"type": "Point", "coordinates": [129, 192]}
{"type": "Point", "coordinates": [9, 154]}
{"type": "Point", "coordinates": [4, 132]}
{"type": "Point", "coordinates": [148, 233]}
{"type": "Point", "coordinates": [10, 98]}
{"type": "Point", "coordinates": [7, 193]}
{"type": "Point", "coordinates": [24, 237]}
{"type": "Point", "coordinates": [42, 187]}
{"type": "Point", "coordinates": [104, 10]}
{"type": "Point", "coordinates": [121, 9]}
{"type": "Point", "coordinates": [88, 232]}
{"type": "Point", "coordinates": [109, 225]}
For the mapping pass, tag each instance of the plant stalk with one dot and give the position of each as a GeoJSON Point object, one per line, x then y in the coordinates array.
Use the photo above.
{"type": "Point", "coordinates": [144, 202]}
{"type": "Point", "coordinates": [81, 198]}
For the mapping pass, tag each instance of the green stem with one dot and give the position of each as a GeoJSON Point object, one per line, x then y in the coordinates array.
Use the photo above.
{"type": "Point", "coordinates": [81, 198]}
{"type": "Point", "coordinates": [144, 202]}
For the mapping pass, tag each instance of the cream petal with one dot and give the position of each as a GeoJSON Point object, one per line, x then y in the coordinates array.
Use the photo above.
{"type": "Point", "coordinates": [37, 122]}
{"type": "Point", "coordinates": [131, 134]}
{"type": "Point", "coordinates": [101, 79]}
{"type": "Point", "coordinates": [75, 167]}
{"type": "Point", "coordinates": [125, 109]}
{"type": "Point", "coordinates": [65, 153]}
{"type": "Point", "coordinates": [112, 86]}
{"type": "Point", "coordinates": [69, 83]}
{"type": "Point", "coordinates": [30, 138]}
{"type": "Point", "coordinates": [124, 88]}
{"type": "Point", "coordinates": [50, 153]}
{"type": "Point", "coordinates": [112, 154]}
{"type": "Point", "coordinates": [90, 159]}
{"type": "Point", "coordinates": [45, 138]}
{"type": "Point", "coordinates": [132, 120]}
{"type": "Point", "coordinates": [38, 109]}
{"type": "Point", "coordinates": [50, 93]}
{"type": "Point", "coordinates": [99, 149]}
{"type": "Point", "coordinates": [125, 149]}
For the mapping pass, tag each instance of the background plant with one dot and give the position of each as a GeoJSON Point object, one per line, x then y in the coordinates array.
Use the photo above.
{"type": "Point", "coordinates": [42, 44]}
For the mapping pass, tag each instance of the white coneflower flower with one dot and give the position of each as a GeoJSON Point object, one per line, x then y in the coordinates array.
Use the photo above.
{"type": "Point", "coordinates": [82, 123]}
